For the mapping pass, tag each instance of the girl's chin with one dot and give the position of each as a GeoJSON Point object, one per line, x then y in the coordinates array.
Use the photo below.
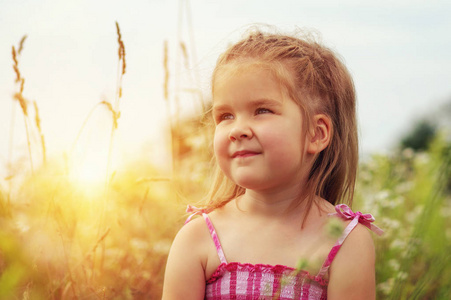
{"type": "Point", "coordinates": [249, 184]}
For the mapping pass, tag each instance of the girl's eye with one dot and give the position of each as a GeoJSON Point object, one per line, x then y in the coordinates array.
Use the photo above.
{"type": "Point", "coordinates": [224, 116]}
{"type": "Point", "coordinates": [263, 111]}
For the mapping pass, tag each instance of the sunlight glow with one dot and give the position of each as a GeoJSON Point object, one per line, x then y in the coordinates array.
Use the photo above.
{"type": "Point", "coordinates": [88, 168]}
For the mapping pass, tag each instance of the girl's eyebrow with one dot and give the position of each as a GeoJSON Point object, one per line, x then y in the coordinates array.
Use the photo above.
{"type": "Point", "coordinates": [252, 103]}
{"type": "Point", "coordinates": [265, 102]}
{"type": "Point", "coordinates": [220, 108]}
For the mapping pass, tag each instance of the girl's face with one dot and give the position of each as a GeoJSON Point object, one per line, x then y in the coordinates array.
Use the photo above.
{"type": "Point", "coordinates": [258, 140]}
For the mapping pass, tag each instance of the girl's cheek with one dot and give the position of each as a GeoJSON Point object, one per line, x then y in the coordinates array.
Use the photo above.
{"type": "Point", "coordinates": [221, 142]}
{"type": "Point", "coordinates": [217, 141]}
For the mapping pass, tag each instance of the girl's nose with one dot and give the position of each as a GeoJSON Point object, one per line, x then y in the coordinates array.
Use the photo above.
{"type": "Point", "coordinates": [239, 133]}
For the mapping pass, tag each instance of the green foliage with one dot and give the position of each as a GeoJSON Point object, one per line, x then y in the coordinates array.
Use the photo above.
{"type": "Point", "coordinates": [420, 137]}
{"type": "Point", "coordinates": [407, 194]}
{"type": "Point", "coordinates": [50, 247]}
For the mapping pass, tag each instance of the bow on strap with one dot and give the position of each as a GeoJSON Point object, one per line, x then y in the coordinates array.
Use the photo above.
{"type": "Point", "coordinates": [195, 211]}
{"type": "Point", "coordinates": [346, 213]}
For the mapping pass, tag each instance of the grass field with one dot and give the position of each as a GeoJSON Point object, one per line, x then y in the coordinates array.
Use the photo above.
{"type": "Point", "coordinates": [62, 239]}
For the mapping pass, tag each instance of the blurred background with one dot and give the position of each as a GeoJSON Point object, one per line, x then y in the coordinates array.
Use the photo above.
{"type": "Point", "coordinates": [103, 137]}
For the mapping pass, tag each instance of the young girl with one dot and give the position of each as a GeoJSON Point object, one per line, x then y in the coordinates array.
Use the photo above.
{"type": "Point", "coordinates": [286, 145]}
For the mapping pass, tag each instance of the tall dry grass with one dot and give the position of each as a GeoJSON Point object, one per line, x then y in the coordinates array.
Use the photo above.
{"type": "Point", "coordinates": [58, 241]}
{"type": "Point", "coordinates": [19, 97]}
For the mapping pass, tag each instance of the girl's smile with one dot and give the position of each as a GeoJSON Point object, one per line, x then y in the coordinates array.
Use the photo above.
{"type": "Point", "coordinates": [244, 153]}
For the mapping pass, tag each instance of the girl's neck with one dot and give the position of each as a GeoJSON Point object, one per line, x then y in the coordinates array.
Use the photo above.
{"type": "Point", "coordinates": [272, 203]}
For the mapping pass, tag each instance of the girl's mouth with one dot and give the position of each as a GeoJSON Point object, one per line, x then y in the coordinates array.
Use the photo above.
{"type": "Point", "coordinates": [244, 153]}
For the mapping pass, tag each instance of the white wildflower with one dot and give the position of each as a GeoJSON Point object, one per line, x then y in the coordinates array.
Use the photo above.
{"type": "Point", "coordinates": [390, 223]}
{"type": "Point", "coordinates": [398, 244]}
{"type": "Point", "coordinates": [382, 195]}
{"type": "Point", "coordinates": [401, 275]}
{"type": "Point", "coordinates": [422, 158]}
{"type": "Point", "coordinates": [413, 215]}
{"type": "Point", "coordinates": [404, 187]}
{"type": "Point", "coordinates": [394, 264]}
{"type": "Point", "coordinates": [386, 286]}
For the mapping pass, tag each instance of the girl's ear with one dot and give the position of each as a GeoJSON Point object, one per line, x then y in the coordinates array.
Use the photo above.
{"type": "Point", "coordinates": [320, 134]}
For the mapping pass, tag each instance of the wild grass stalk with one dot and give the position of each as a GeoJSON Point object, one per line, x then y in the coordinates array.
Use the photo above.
{"type": "Point", "coordinates": [427, 243]}
{"type": "Point", "coordinates": [18, 96]}
{"type": "Point", "coordinates": [172, 141]}
{"type": "Point", "coordinates": [413, 208]}
{"type": "Point", "coordinates": [41, 135]}
{"type": "Point", "coordinates": [85, 122]}
{"type": "Point", "coordinates": [183, 85]}
{"type": "Point", "coordinates": [115, 110]}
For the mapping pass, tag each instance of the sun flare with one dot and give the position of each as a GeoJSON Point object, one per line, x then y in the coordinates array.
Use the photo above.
{"type": "Point", "coordinates": [89, 169]}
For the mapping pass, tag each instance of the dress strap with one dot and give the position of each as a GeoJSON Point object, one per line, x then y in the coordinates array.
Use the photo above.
{"type": "Point", "coordinates": [215, 238]}
{"type": "Point", "coordinates": [344, 212]}
{"type": "Point", "coordinates": [211, 228]}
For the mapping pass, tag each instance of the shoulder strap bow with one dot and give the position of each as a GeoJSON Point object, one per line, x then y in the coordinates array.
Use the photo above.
{"type": "Point", "coordinates": [194, 211]}
{"type": "Point", "coordinates": [346, 213]}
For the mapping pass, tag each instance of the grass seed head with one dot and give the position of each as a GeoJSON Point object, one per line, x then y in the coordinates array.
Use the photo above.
{"type": "Point", "coordinates": [116, 115]}
{"type": "Point", "coordinates": [22, 83]}
{"type": "Point", "coordinates": [37, 117]}
{"type": "Point", "coordinates": [23, 103]}
{"type": "Point", "coordinates": [121, 49]}
{"type": "Point", "coordinates": [185, 54]}
{"type": "Point", "coordinates": [16, 64]}
{"type": "Point", "coordinates": [21, 44]}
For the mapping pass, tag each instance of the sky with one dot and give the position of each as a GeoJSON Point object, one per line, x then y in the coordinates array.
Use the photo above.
{"type": "Point", "coordinates": [397, 52]}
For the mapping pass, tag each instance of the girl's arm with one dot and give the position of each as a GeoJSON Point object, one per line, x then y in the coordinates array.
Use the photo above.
{"type": "Point", "coordinates": [185, 277]}
{"type": "Point", "coordinates": [352, 272]}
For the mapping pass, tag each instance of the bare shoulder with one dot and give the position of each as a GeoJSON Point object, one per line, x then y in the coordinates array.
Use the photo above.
{"type": "Point", "coordinates": [184, 273]}
{"type": "Point", "coordinates": [352, 272]}
{"type": "Point", "coordinates": [194, 232]}
{"type": "Point", "coordinates": [324, 206]}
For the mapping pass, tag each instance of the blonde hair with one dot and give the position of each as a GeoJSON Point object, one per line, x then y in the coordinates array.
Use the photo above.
{"type": "Point", "coordinates": [318, 82]}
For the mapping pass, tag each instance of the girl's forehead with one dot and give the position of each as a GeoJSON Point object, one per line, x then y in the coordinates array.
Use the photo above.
{"type": "Point", "coordinates": [276, 73]}
{"type": "Point", "coordinates": [234, 79]}
{"type": "Point", "coordinates": [280, 70]}
{"type": "Point", "coordinates": [227, 73]}
{"type": "Point", "coordinates": [241, 66]}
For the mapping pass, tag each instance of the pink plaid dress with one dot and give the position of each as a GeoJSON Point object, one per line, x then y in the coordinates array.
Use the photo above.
{"type": "Point", "coordinates": [236, 280]}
